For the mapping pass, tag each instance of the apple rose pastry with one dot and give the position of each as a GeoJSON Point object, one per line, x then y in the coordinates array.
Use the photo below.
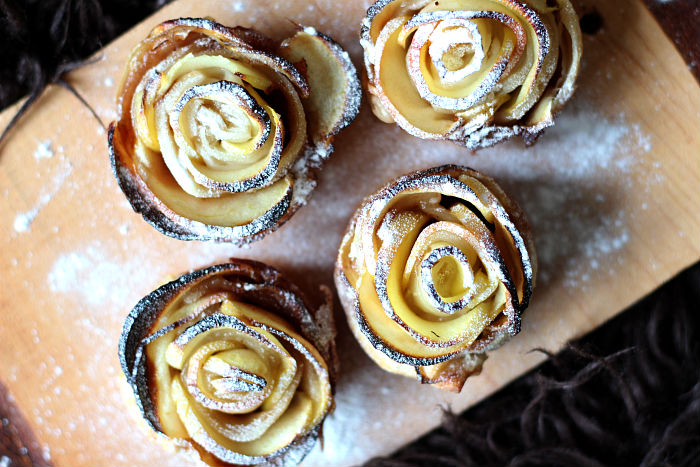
{"type": "Point", "coordinates": [471, 71]}
{"type": "Point", "coordinates": [230, 360]}
{"type": "Point", "coordinates": [221, 129]}
{"type": "Point", "coordinates": [434, 271]}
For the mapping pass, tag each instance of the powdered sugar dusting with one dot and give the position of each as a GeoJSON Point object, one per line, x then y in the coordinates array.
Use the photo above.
{"type": "Point", "coordinates": [582, 144]}
{"type": "Point", "coordinates": [303, 171]}
{"type": "Point", "coordinates": [43, 150]}
{"type": "Point", "coordinates": [91, 274]}
{"type": "Point", "coordinates": [571, 186]}
{"type": "Point", "coordinates": [23, 220]}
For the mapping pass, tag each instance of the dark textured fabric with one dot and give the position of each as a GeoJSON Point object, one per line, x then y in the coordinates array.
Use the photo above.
{"type": "Point", "coordinates": [43, 38]}
{"type": "Point", "coordinates": [627, 394]}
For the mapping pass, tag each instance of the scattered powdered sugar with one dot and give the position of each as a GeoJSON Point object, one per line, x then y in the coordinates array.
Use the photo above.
{"type": "Point", "coordinates": [46, 453]}
{"type": "Point", "coordinates": [304, 170]}
{"type": "Point", "coordinates": [74, 272]}
{"type": "Point", "coordinates": [23, 220]}
{"type": "Point", "coordinates": [576, 235]}
{"type": "Point", "coordinates": [583, 144]}
{"type": "Point", "coordinates": [43, 150]}
{"type": "Point", "coordinates": [572, 185]}
{"type": "Point", "coordinates": [93, 275]}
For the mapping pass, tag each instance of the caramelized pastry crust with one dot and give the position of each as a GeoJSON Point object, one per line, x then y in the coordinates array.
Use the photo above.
{"type": "Point", "coordinates": [220, 129]}
{"type": "Point", "coordinates": [474, 72]}
{"type": "Point", "coordinates": [231, 361]}
{"type": "Point", "coordinates": [434, 271]}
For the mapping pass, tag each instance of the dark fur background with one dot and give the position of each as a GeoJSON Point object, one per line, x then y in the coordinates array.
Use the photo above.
{"type": "Point", "coordinates": [627, 394]}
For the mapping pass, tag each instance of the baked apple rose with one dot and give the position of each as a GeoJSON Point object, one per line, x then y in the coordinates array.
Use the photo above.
{"type": "Point", "coordinates": [474, 72]}
{"type": "Point", "coordinates": [434, 271]}
{"type": "Point", "coordinates": [221, 130]}
{"type": "Point", "coordinates": [231, 361]}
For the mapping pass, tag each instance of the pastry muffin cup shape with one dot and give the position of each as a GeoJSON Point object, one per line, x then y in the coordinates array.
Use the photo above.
{"type": "Point", "coordinates": [221, 130]}
{"type": "Point", "coordinates": [231, 361]}
{"type": "Point", "coordinates": [474, 72]}
{"type": "Point", "coordinates": [434, 271]}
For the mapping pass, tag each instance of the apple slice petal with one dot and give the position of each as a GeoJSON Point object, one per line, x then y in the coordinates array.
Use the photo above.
{"type": "Point", "coordinates": [452, 374]}
{"type": "Point", "coordinates": [335, 91]}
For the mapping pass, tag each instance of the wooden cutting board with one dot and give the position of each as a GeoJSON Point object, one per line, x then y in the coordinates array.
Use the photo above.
{"type": "Point", "coordinates": [613, 193]}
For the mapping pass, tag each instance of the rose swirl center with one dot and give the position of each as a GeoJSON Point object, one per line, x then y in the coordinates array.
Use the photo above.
{"type": "Point", "coordinates": [456, 50]}
{"type": "Point", "coordinates": [445, 275]}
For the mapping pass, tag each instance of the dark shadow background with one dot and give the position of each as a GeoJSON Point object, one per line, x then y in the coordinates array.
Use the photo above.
{"type": "Point", "coordinates": [626, 394]}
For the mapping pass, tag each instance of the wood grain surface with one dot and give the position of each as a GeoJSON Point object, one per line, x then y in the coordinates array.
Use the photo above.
{"type": "Point", "coordinates": [610, 228]}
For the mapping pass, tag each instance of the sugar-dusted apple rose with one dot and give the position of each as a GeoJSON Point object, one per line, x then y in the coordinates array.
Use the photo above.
{"type": "Point", "coordinates": [471, 71]}
{"type": "Point", "coordinates": [232, 362]}
{"type": "Point", "coordinates": [434, 271]}
{"type": "Point", "coordinates": [221, 130]}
